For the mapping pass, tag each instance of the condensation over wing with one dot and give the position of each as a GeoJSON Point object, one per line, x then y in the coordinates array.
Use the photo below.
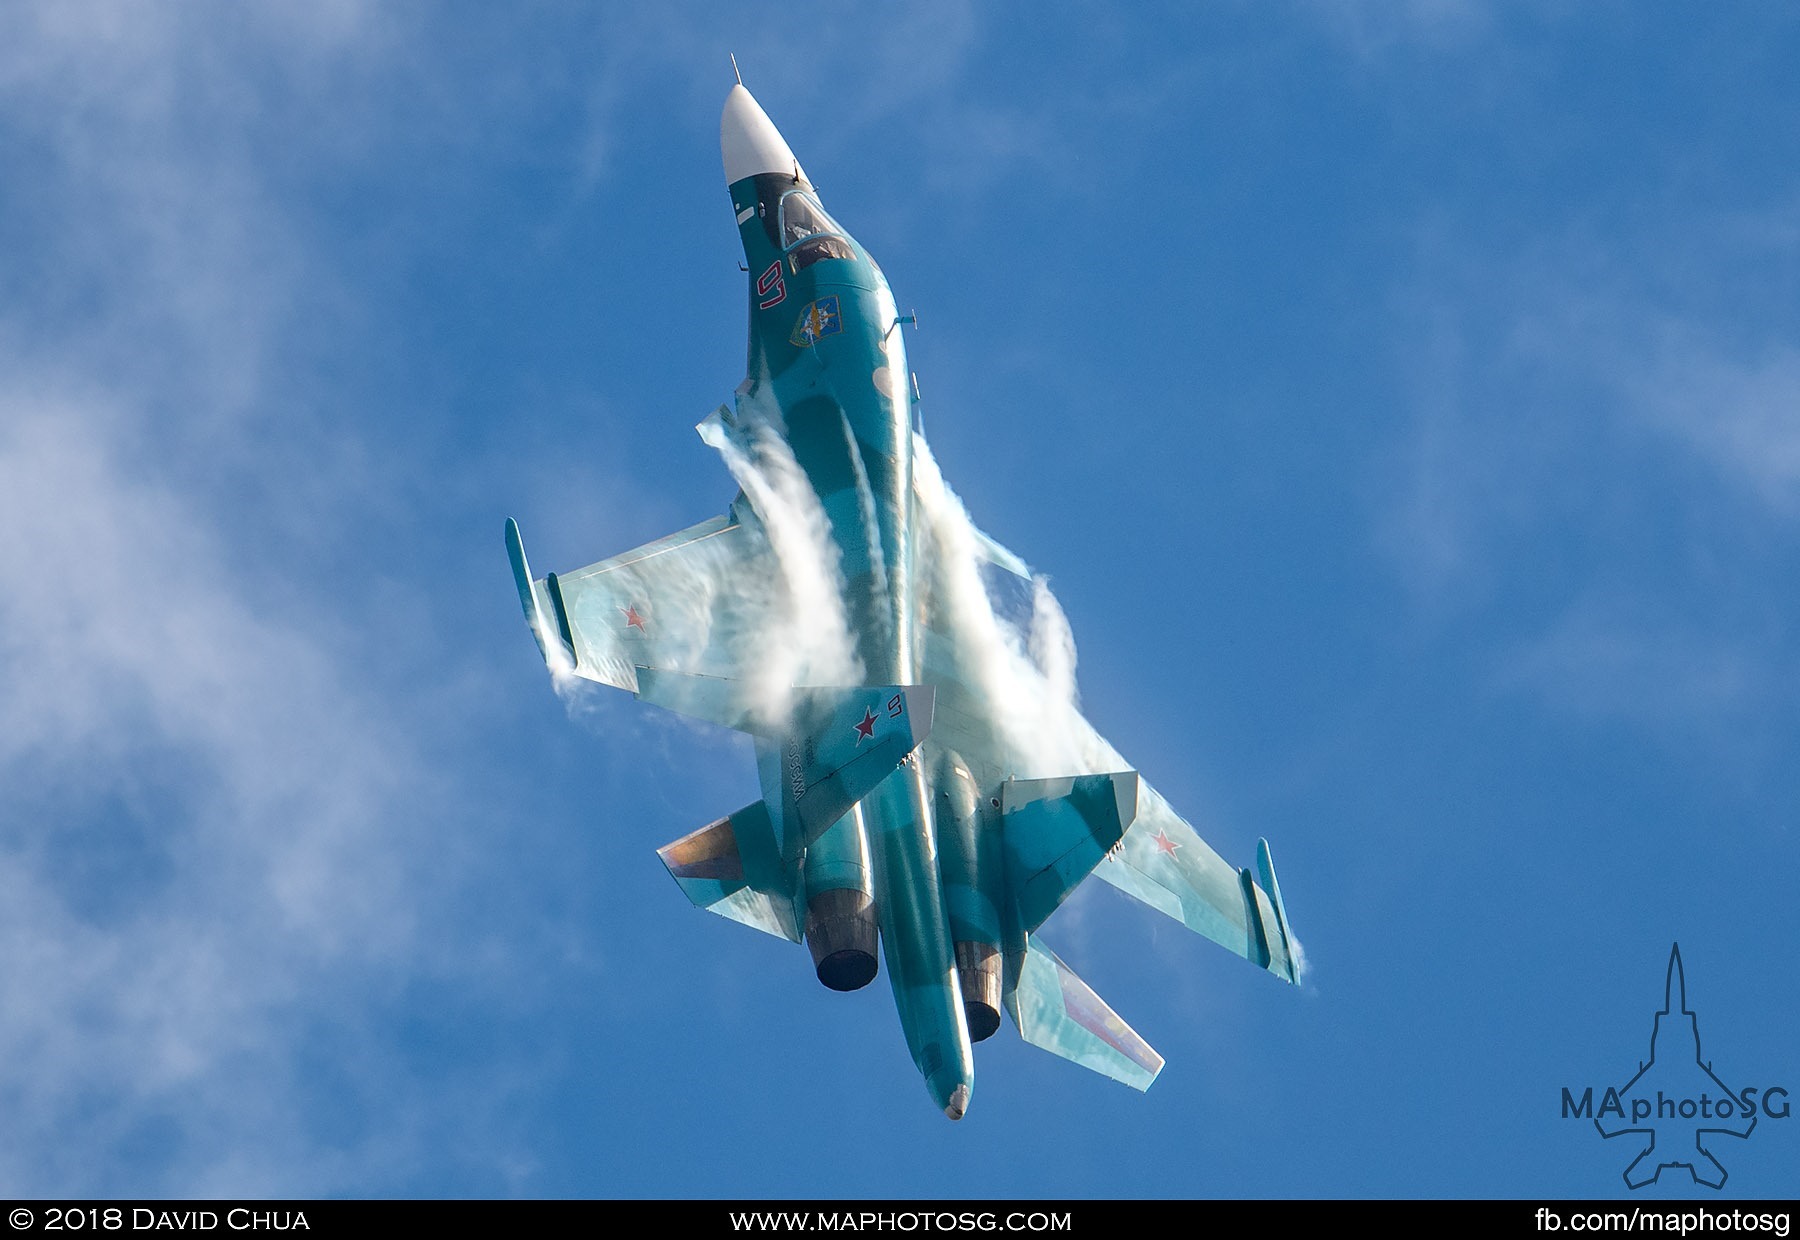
{"type": "Point", "coordinates": [1160, 860]}
{"type": "Point", "coordinates": [965, 719]}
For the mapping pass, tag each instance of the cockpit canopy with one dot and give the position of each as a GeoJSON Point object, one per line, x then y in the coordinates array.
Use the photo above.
{"type": "Point", "coordinates": [797, 224]}
{"type": "Point", "coordinates": [802, 217]}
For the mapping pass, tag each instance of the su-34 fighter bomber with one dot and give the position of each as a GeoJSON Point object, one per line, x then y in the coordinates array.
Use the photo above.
{"type": "Point", "coordinates": [928, 784]}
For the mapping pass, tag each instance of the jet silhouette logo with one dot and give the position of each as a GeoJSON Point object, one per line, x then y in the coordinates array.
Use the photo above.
{"type": "Point", "coordinates": [1676, 1107]}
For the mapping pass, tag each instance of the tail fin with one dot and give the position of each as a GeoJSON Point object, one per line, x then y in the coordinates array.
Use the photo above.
{"type": "Point", "coordinates": [734, 868]}
{"type": "Point", "coordinates": [842, 744]}
{"type": "Point", "coordinates": [835, 746]}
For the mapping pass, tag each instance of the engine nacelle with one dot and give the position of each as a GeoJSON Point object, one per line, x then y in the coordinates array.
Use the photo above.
{"type": "Point", "coordinates": [843, 935]}
{"type": "Point", "coordinates": [978, 971]}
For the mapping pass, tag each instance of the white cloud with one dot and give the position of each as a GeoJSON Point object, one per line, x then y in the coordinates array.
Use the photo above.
{"type": "Point", "coordinates": [216, 843]}
{"type": "Point", "coordinates": [1601, 472]}
{"type": "Point", "coordinates": [1614, 656]}
{"type": "Point", "coordinates": [281, 852]}
{"type": "Point", "coordinates": [1372, 28]}
{"type": "Point", "coordinates": [1740, 407]}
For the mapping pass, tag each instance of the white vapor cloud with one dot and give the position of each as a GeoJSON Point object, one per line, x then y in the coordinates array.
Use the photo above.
{"type": "Point", "coordinates": [804, 637]}
{"type": "Point", "coordinates": [1022, 674]}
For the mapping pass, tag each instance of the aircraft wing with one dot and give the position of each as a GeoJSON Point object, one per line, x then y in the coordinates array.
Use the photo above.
{"type": "Point", "coordinates": [1163, 862]}
{"type": "Point", "coordinates": [1160, 860]}
{"type": "Point", "coordinates": [672, 621]}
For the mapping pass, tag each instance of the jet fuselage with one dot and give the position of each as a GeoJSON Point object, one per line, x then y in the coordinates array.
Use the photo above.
{"type": "Point", "coordinates": [827, 366]}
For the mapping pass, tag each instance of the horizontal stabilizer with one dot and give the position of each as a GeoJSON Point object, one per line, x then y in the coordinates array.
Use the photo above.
{"type": "Point", "coordinates": [837, 746]}
{"type": "Point", "coordinates": [1056, 831]}
{"type": "Point", "coordinates": [733, 868]}
{"type": "Point", "coordinates": [1056, 1010]}
{"type": "Point", "coordinates": [1163, 862]}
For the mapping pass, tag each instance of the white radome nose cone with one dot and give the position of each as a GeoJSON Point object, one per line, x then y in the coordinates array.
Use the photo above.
{"type": "Point", "coordinates": [750, 142]}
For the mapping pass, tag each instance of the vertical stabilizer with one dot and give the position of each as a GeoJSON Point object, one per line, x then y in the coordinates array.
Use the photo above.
{"type": "Point", "coordinates": [1675, 991]}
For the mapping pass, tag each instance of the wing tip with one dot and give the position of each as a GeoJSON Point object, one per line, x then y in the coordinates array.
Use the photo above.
{"type": "Point", "coordinates": [1265, 872]}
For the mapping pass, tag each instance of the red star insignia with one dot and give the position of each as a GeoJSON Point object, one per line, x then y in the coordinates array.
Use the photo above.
{"type": "Point", "coordinates": [634, 619]}
{"type": "Point", "coordinates": [1163, 842]}
{"type": "Point", "coordinates": [865, 731]}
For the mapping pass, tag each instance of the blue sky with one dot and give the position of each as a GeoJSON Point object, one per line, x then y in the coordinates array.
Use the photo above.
{"type": "Point", "coordinates": [1404, 400]}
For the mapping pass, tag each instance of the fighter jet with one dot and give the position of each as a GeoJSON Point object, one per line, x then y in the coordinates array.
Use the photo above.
{"type": "Point", "coordinates": [929, 789]}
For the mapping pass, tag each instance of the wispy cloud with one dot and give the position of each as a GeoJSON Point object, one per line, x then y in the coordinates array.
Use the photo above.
{"type": "Point", "coordinates": [206, 821]}
{"type": "Point", "coordinates": [1602, 472]}
{"type": "Point", "coordinates": [1371, 28]}
{"type": "Point", "coordinates": [1610, 655]}
{"type": "Point", "coordinates": [214, 826]}
{"type": "Point", "coordinates": [1737, 403]}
